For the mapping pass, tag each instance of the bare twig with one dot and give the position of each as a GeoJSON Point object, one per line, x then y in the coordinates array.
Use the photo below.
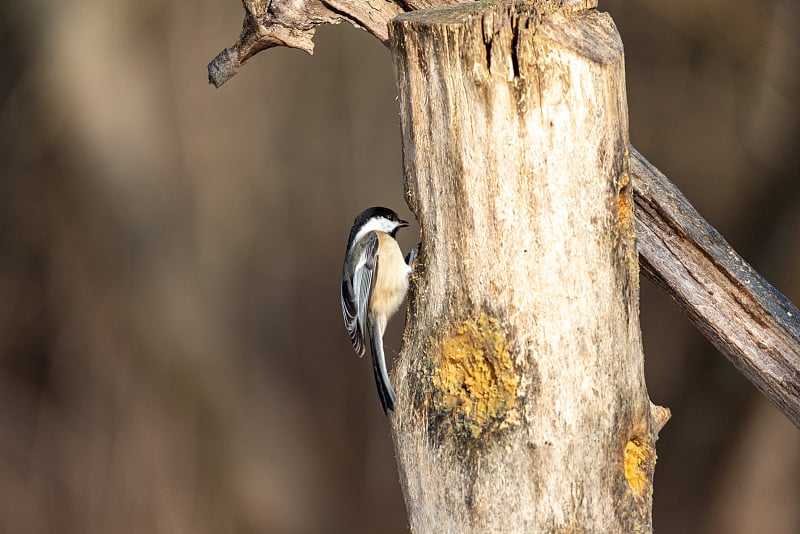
{"type": "Point", "coordinates": [293, 24]}
{"type": "Point", "coordinates": [747, 319]}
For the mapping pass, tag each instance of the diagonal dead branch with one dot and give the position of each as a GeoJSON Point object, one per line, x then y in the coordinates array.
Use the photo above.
{"type": "Point", "coordinates": [746, 319]}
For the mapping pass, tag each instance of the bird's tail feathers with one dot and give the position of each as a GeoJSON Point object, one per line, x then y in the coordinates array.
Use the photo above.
{"type": "Point", "coordinates": [385, 391]}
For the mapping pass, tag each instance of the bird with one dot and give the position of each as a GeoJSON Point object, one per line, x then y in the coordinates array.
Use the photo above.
{"type": "Point", "coordinates": [374, 284]}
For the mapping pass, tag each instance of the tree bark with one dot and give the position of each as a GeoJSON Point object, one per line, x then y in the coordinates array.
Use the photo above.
{"type": "Point", "coordinates": [747, 319]}
{"type": "Point", "coordinates": [521, 405]}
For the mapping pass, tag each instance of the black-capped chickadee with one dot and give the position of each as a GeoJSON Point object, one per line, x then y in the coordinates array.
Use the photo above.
{"type": "Point", "coordinates": [374, 283]}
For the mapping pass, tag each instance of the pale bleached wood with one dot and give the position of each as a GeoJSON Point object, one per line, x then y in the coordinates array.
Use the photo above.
{"type": "Point", "coordinates": [747, 319]}
{"type": "Point", "coordinates": [521, 404]}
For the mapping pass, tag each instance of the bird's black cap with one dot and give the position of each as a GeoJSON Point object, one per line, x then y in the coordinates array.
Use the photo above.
{"type": "Point", "coordinates": [371, 213]}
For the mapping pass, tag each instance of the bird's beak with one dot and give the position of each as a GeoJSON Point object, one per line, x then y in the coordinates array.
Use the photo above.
{"type": "Point", "coordinates": [401, 223]}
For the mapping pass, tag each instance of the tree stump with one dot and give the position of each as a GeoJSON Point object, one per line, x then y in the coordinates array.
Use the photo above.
{"type": "Point", "coordinates": [522, 405]}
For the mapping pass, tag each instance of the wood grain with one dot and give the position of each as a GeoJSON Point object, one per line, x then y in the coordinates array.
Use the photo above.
{"type": "Point", "coordinates": [521, 398]}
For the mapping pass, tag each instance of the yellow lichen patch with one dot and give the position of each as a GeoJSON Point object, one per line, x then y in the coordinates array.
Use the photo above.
{"type": "Point", "coordinates": [625, 204]}
{"type": "Point", "coordinates": [625, 216]}
{"type": "Point", "coordinates": [638, 465]}
{"type": "Point", "coordinates": [475, 384]}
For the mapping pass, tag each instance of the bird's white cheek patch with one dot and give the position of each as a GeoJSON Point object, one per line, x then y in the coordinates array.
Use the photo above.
{"type": "Point", "coordinates": [376, 225]}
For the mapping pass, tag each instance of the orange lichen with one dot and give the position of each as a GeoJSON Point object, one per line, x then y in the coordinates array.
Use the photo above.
{"type": "Point", "coordinates": [639, 461]}
{"type": "Point", "coordinates": [625, 217]}
{"type": "Point", "coordinates": [625, 203]}
{"type": "Point", "coordinates": [475, 384]}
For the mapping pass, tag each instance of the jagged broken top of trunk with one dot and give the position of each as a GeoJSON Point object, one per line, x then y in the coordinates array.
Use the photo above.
{"type": "Point", "coordinates": [292, 23]}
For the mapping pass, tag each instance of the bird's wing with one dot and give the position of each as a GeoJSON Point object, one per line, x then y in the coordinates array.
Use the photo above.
{"type": "Point", "coordinates": [356, 292]}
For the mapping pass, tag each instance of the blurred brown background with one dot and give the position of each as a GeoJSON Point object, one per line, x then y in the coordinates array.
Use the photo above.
{"type": "Point", "coordinates": [172, 355]}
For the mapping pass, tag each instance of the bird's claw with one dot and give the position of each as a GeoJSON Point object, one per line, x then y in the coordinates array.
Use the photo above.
{"type": "Point", "coordinates": [411, 258]}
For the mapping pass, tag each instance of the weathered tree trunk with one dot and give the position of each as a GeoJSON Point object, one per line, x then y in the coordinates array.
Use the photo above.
{"type": "Point", "coordinates": [522, 403]}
